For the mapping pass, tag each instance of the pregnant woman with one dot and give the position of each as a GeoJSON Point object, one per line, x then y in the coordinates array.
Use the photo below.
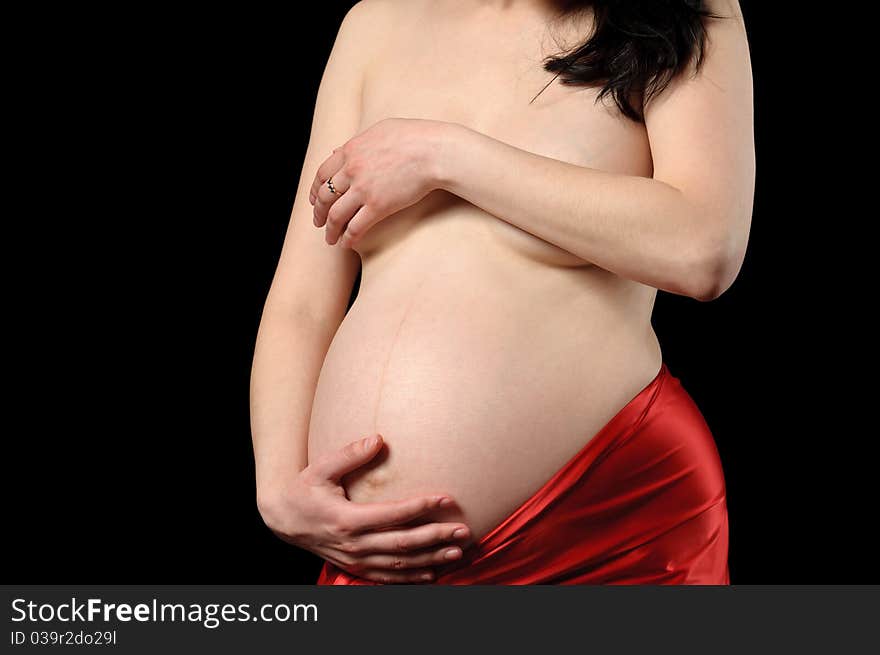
{"type": "Point", "coordinates": [515, 180]}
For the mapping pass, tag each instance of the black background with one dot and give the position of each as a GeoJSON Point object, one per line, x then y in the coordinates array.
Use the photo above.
{"type": "Point", "coordinates": [161, 154]}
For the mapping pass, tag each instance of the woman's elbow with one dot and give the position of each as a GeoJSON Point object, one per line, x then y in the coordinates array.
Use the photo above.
{"type": "Point", "coordinates": [714, 267]}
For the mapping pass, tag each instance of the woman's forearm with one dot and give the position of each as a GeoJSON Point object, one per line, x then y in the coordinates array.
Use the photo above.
{"type": "Point", "coordinates": [639, 228]}
{"type": "Point", "coordinates": [288, 356]}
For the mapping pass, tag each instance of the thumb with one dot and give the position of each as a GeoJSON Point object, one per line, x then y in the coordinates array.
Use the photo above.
{"type": "Point", "coordinates": [334, 465]}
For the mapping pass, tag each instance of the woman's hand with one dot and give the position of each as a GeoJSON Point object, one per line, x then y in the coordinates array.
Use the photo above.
{"type": "Point", "coordinates": [313, 513]}
{"type": "Point", "coordinates": [389, 166]}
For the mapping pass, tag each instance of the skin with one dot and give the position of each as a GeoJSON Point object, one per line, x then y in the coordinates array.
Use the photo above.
{"type": "Point", "coordinates": [363, 536]}
{"type": "Point", "coordinates": [585, 216]}
{"type": "Point", "coordinates": [308, 509]}
{"type": "Point", "coordinates": [684, 230]}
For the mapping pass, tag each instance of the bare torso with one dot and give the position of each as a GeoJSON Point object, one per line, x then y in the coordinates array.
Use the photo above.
{"type": "Point", "coordinates": [485, 356]}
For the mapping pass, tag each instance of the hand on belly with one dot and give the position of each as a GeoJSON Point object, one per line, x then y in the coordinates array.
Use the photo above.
{"type": "Point", "coordinates": [387, 542]}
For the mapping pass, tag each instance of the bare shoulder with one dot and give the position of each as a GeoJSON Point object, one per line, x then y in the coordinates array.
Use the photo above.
{"type": "Point", "coordinates": [384, 19]}
{"type": "Point", "coordinates": [367, 22]}
{"type": "Point", "coordinates": [727, 48]}
{"type": "Point", "coordinates": [729, 10]}
{"type": "Point", "coordinates": [371, 27]}
{"type": "Point", "coordinates": [381, 30]}
{"type": "Point", "coordinates": [370, 13]}
{"type": "Point", "coordinates": [378, 18]}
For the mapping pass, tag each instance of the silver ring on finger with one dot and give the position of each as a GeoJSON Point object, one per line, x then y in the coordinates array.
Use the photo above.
{"type": "Point", "coordinates": [330, 185]}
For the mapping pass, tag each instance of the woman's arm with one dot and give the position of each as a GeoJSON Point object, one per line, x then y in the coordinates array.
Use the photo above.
{"type": "Point", "coordinates": [298, 320]}
{"type": "Point", "coordinates": [303, 501]}
{"type": "Point", "coordinates": [685, 230]}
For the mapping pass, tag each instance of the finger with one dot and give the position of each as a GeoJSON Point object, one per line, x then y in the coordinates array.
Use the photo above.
{"type": "Point", "coordinates": [361, 517]}
{"type": "Point", "coordinates": [335, 464]}
{"type": "Point", "coordinates": [395, 562]}
{"type": "Point", "coordinates": [336, 225]}
{"type": "Point", "coordinates": [410, 539]}
{"type": "Point", "coordinates": [362, 221]}
{"type": "Point", "coordinates": [339, 210]}
{"type": "Point", "coordinates": [327, 198]}
{"type": "Point", "coordinates": [329, 166]}
{"type": "Point", "coordinates": [398, 577]}
{"type": "Point", "coordinates": [386, 576]}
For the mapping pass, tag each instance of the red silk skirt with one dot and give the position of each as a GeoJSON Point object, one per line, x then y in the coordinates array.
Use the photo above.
{"type": "Point", "coordinates": [643, 502]}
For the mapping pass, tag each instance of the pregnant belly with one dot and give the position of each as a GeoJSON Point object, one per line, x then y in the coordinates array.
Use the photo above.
{"type": "Point", "coordinates": [481, 380]}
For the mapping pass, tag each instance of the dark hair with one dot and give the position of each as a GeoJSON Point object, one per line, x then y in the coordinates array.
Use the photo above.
{"type": "Point", "coordinates": [635, 50]}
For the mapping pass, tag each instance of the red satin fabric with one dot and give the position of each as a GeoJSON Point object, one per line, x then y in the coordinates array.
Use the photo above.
{"type": "Point", "coordinates": [643, 502]}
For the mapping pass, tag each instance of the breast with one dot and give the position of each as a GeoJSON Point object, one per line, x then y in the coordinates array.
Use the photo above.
{"type": "Point", "coordinates": [490, 93]}
{"type": "Point", "coordinates": [442, 221]}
